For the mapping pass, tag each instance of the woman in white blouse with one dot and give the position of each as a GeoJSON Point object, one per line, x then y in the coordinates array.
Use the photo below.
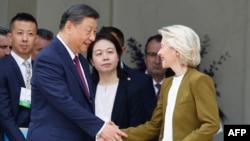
{"type": "Point", "coordinates": [117, 98]}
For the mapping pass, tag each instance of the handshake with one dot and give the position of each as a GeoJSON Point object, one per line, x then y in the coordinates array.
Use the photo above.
{"type": "Point", "coordinates": [111, 132]}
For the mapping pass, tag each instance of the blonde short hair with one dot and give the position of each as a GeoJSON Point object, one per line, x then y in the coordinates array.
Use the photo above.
{"type": "Point", "coordinates": [185, 41]}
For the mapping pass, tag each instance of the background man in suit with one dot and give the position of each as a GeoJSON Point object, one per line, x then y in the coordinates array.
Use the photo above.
{"type": "Point", "coordinates": [44, 37]}
{"type": "Point", "coordinates": [15, 77]}
{"type": "Point", "coordinates": [142, 80]}
{"type": "Point", "coordinates": [5, 44]}
{"type": "Point", "coordinates": [62, 92]}
{"type": "Point", "coordinates": [4, 50]}
{"type": "Point", "coordinates": [153, 62]}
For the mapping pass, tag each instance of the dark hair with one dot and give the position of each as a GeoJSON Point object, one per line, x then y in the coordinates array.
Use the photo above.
{"type": "Point", "coordinates": [4, 31]}
{"type": "Point", "coordinates": [76, 13]}
{"type": "Point", "coordinates": [113, 40]}
{"type": "Point", "coordinates": [156, 37]}
{"type": "Point", "coordinates": [45, 34]}
{"type": "Point", "coordinates": [116, 31]}
{"type": "Point", "coordinates": [23, 17]}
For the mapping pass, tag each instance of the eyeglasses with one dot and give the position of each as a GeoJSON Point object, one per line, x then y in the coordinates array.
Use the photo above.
{"type": "Point", "coordinates": [151, 54]}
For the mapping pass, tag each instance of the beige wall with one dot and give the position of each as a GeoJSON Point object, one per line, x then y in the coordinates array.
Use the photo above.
{"type": "Point", "coordinates": [9, 8]}
{"type": "Point", "coordinates": [246, 63]}
{"type": "Point", "coordinates": [3, 12]}
{"type": "Point", "coordinates": [225, 21]}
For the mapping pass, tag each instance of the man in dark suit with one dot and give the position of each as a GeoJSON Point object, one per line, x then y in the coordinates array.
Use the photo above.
{"type": "Point", "coordinates": [5, 45]}
{"type": "Point", "coordinates": [153, 62]}
{"type": "Point", "coordinates": [62, 93]}
{"type": "Point", "coordinates": [143, 81]}
{"type": "Point", "coordinates": [15, 77]}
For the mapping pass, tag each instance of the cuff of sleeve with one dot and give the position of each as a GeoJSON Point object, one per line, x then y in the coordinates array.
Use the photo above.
{"type": "Point", "coordinates": [99, 132]}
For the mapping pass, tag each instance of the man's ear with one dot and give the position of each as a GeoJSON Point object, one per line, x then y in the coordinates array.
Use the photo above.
{"type": "Point", "coordinates": [68, 26]}
{"type": "Point", "coordinates": [9, 37]}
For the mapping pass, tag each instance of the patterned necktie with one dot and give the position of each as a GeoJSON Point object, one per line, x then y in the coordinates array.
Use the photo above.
{"type": "Point", "coordinates": [159, 89]}
{"type": "Point", "coordinates": [27, 74]}
{"type": "Point", "coordinates": [78, 68]}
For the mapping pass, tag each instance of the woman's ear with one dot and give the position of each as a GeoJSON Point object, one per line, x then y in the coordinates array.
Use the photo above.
{"type": "Point", "coordinates": [92, 64]}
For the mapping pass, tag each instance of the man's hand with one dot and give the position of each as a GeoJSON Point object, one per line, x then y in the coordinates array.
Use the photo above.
{"type": "Point", "coordinates": [111, 132]}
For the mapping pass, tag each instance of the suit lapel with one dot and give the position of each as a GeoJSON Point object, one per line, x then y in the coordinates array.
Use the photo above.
{"type": "Point", "coordinates": [182, 92]}
{"type": "Point", "coordinates": [119, 98]}
{"type": "Point", "coordinates": [14, 66]}
{"type": "Point", "coordinates": [86, 70]}
{"type": "Point", "coordinates": [166, 88]}
{"type": "Point", "coordinates": [69, 62]}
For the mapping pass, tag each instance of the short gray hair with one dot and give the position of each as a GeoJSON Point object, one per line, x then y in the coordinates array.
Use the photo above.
{"type": "Point", "coordinates": [76, 13]}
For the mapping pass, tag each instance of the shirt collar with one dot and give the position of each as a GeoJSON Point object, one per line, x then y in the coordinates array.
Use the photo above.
{"type": "Point", "coordinates": [154, 82]}
{"type": "Point", "coordinates": [19, 59]}
{"type": "Point", "coordinates": [72, 55]}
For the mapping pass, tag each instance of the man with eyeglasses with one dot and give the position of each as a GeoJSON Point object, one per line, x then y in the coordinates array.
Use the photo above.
{"type": "Point", "coordinates": [5, 45]}
{"type": "Point", "coordinates": [153, 62]}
